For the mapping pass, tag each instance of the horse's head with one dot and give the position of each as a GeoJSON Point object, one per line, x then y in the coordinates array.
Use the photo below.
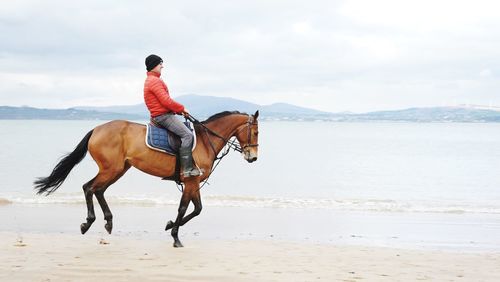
{"type": "Point", "coordinates": [248, 137]}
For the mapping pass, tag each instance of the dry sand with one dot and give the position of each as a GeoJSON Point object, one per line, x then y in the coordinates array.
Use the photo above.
{"type": "Point", "coordinates": [63, 257]}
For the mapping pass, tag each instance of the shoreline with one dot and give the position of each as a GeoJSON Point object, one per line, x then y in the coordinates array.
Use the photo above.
{"type": "Point", "coordinates": [417, 231]}
{"type": "Point", "coordinates": [49, 257]}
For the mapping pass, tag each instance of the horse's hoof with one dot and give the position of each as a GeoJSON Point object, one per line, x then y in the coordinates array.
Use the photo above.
{"type": "Point", "coordinates": [109, 227]}
{"type": "Point", "coordinates": [178, 244]}
{"type": "Point", "coordinates": [170, 224]}
{"type": "Point", "coordinates": [84, 227]}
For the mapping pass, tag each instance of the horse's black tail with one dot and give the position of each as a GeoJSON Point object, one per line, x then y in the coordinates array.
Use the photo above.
{"type": "Point", "coordinates": [50, 183]}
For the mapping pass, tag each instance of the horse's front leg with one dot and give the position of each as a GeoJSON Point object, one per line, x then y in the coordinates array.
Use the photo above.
{"type": "Point", "coordinates": [197, 210]}
{"type": "Point", "coordinates": [185, 199]}
{"type": "Point", "coordinates": [190, 193]}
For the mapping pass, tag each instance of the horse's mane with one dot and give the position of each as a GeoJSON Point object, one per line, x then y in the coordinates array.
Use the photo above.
{"type": "Point", "coordinates": [221, 115]}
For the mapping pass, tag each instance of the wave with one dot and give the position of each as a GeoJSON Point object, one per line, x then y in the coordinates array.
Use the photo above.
{"type": "Point", "coordinates": [378, 205]}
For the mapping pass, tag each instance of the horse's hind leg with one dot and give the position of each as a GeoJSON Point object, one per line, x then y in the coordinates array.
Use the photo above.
{"type": "Point", "coordinates": [87, 191]}
{"type": "Point", "coordinates": [108, 216]}
{"type": "Point", "coordinates": [99, 194]}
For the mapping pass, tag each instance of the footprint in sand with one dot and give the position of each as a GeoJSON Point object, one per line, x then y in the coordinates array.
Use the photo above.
{"type": "Point", "coordinates": [19, 243]}
{"type": "Point", "coordinates": [103, 242]}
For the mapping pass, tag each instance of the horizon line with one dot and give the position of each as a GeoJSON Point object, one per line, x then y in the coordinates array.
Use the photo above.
{"type": "Point", "coordinates": [464, 106]}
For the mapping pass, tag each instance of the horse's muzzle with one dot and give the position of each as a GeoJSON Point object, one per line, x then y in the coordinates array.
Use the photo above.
{"type": "Point", "coordinates": [251, 160]}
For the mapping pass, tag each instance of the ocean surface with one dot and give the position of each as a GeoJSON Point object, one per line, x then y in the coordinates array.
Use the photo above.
{"type": "Point", "coordinates": [436, 173]}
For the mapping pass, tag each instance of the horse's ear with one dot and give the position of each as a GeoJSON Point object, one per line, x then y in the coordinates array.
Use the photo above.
{"type": "Point", "coordinates": [256, 115]}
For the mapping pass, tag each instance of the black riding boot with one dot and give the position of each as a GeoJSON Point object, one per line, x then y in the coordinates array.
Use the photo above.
{"type": "Point", "coordinates": [187, 163]}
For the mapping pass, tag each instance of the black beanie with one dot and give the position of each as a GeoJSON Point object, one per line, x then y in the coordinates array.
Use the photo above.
{"type": "Point", "coordinates": [152, 61]}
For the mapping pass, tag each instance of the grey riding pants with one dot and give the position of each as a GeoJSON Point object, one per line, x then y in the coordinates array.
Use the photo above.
{"type": "Point", "coordinates": [174, 124]}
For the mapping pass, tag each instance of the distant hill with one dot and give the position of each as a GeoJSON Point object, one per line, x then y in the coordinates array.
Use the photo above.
{"type": "Point", "coordinates": [207, 105]}
{"type": "Point", "coordinates": [432, 114]}
{"type": "Point", "coordinates": [58, 114]}
{"type": "Point", "coordinates": [204, 106]}
{"type": "Point", "coordinates": [139, 109]}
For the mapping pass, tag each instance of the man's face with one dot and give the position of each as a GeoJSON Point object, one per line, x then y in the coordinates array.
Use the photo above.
{"type": "Point", "coordinates": [158, 68]}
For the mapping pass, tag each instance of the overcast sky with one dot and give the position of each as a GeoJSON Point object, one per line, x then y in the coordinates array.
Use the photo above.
{"type": "Point", "coordinates": [329, 55]}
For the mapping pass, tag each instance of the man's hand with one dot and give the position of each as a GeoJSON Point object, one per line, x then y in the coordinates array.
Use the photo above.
{"type": "Point", "coordinates": [185, 113]}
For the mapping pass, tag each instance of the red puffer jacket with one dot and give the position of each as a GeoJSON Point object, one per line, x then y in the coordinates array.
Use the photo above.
{"type": "Point", "coordinates": [157, 98]}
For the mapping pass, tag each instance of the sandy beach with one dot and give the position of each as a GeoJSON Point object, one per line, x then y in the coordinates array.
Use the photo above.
{"type": "Point", "coordinates": [67, 257]}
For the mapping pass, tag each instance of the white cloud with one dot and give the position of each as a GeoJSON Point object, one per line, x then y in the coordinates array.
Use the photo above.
{"type": "Point", "coordinates": [302, 27]}
{"type": "Point", "coordinates": [332, 55]}
{"type": "Point", "coordinates": [486, 73]}
{"type": "Point", "coordinates": [423, 15]}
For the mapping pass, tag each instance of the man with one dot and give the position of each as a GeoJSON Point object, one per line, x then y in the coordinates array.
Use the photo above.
{"type": "Point", "coordinates": [163, 110]}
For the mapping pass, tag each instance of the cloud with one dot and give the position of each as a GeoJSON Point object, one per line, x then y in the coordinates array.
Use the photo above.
{"type": "Point", "coordinates": [485, 73]}
{"type": "Point", "coordinates": [331, 55]}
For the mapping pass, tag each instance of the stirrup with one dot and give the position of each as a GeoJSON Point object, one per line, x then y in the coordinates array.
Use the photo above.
{"type": "Point", "coordinates": [192, 172]}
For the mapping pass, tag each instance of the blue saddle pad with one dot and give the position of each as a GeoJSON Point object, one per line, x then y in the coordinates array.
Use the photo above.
{"type": "Point", "coordinates": [160, 139]}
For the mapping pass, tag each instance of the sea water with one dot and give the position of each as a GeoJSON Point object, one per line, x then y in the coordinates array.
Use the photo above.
{"type": "Point", "coordinates": [398, 170]}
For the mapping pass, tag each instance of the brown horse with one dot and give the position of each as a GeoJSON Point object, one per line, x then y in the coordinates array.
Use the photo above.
{"type": "Point", "coordinates": [117, 145]}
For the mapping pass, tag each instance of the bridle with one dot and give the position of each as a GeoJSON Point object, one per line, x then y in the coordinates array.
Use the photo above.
{"type": "Point", "coordinates": [248, 126]}
{"type": "Point", "coordinates": [231, 144]}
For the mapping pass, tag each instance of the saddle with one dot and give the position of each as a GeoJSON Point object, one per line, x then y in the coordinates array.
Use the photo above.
{"type": "Point", "coordinates": [160, 139]}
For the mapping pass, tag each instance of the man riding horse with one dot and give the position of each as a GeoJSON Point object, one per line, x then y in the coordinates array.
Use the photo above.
{"type": "Point", "coordinates": [163, 110]}
{"type": "Point", "coordinates": [119, 145]}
